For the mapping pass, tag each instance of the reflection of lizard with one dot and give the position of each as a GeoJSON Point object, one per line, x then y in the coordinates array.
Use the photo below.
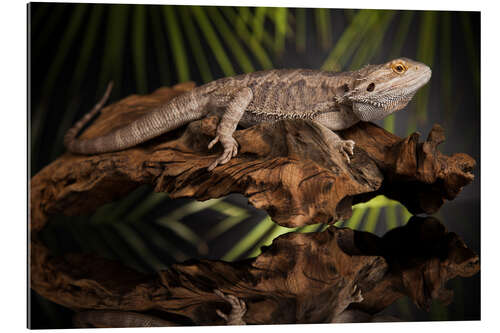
{"type": "Point", "coordinates": [109, 318]}
{"type": "Point", "coordinates": [335, 101]}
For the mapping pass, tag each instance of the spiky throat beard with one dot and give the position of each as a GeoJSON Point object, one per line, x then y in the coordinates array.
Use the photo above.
{"type": "Point", "coordinates": [368, 109]}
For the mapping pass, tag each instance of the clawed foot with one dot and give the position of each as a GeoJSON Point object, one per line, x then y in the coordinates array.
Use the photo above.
{"type": "Point", "coordinates": [238, 309]}
{"type": "Point", "coordinates": [230, 150]}
{"type": "Point", "coordinates": [346, 147]}
{"type": "Point", "coordinates": [356, 294]}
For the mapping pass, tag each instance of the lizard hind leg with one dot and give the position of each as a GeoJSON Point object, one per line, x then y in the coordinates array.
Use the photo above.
{"type": "Point", "coordinates": [228, 123]}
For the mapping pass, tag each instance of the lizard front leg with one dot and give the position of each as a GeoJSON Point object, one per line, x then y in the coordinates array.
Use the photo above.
{"type": "Point", "coordinates": [227, 125]}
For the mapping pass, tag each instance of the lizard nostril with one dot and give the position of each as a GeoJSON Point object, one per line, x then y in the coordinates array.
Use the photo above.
{"type": "Point", "coordinates": [370, 87]}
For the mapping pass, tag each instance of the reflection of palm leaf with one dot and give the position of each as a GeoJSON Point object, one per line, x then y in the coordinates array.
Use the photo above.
{"type": "Point", "coordinates": [234, 216]}
{"type": "Point", "coordinates": [369, 212]}
{"type": "Point", "coordinates": [249, 240]}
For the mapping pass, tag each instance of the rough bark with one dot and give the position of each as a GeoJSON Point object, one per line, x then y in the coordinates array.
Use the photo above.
{"type": "Point", "coordinates": [285, 168]}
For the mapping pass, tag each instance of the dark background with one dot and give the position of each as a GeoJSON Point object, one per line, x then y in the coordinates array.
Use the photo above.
{"type": "Point", "coordinates": [75, 49]}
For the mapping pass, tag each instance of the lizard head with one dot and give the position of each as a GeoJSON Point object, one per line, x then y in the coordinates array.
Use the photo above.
{"type": "Point", "coordinates": [379, 90]}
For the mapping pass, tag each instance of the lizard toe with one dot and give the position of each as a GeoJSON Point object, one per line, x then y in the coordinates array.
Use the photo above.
{"type": "Point", "coordinates": [350, 146]}
{"type": "Point", "coordinates": [346, 155]}
{"type": "Point", "coordinates": [213, 142]}
{"type": "Point", "coordinates": [347, 149]}
{"type": "Point", "coordinates": [221, 314]}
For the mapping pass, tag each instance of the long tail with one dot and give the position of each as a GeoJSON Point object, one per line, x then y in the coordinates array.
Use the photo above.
{"type": "Point", "coordinates": [109, 319]}
{"type": "Point", "coordinates": [177, 112]}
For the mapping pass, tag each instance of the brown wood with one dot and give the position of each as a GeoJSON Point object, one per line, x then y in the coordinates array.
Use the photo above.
{"type": "Point", "coordinates": [300, 278]}
{"type": "Point", "coordinates": [285, 168]}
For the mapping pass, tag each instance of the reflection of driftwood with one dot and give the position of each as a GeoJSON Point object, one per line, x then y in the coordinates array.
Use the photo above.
{"type": "Point", "coordinates": [285, 168]}
{"type": "Point", "coordinates": [300, 278]}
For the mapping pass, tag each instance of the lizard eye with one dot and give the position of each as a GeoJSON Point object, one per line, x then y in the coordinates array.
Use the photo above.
{"type": "Point", "coordinates": [399, 68]}
{"type": "Point", "coordinates": [370, 87]}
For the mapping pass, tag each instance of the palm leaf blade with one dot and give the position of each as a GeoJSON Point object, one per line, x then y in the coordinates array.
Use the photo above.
{"type": "Point", "coordinates": [213, 41]}
{"type": "Point", "coordinates": [176, 43]}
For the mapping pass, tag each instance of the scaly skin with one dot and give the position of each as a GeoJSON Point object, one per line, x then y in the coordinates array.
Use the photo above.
{"type": "Point", "coordinates": [335, 101]}
{"type": "Point", "coordinates": [109, 318]}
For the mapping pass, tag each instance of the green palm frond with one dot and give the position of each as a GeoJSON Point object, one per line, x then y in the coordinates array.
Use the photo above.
{"type": "Point", "coordinates": [372, 43]}
{"type": "Point", "coordinates": [281, 24]}
{"type": "Point", "coordinates": [258, 22]}
{"type": "Point", "coordinates": [472, 52]}
{"type": "Point", "coordinates": [426, 54]}
{"type": "Point", "coordinates": [139, 47]}
{"type": "Point", "coordinates": [82, 65]}
{"type": "Point", "coordinates": [251, 38]}
{"type": "Point", "coordinates": [446, 66]}
{"type": "Point", "coordinates": [301, 28]}
{"type": "Point", "coordinates": [195, 44]}
{"type": "Point", "coordinates": [323, 26]}
{"type": "Point", "coordinates": [213, 41]}
{"type": "Point", "coordinates": [231, 40]}
{"type": "Point", "coordinates": [50, 23]}
{"type": "Point", "coordinates": [350, 39]}
{"type": "Point", "coordinates": [247, 17]}
{"type": "Point", "coordinates": [112, 60]}
{"type": "Point", "coordinates": [162, 56]}
{"type": "Point", "coordinates": [176, 43]}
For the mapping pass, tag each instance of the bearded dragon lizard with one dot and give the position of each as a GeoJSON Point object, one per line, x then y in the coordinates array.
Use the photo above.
{"type": "Point", "coordinates": [334, 100]}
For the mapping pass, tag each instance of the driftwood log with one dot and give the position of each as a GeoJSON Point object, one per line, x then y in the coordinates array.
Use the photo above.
{"type": "Point", "coordinates": [285, 168]}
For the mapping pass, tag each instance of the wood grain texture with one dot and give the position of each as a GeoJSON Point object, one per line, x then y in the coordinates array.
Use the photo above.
{"type": "Point", "coordinates": [285, 168]}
